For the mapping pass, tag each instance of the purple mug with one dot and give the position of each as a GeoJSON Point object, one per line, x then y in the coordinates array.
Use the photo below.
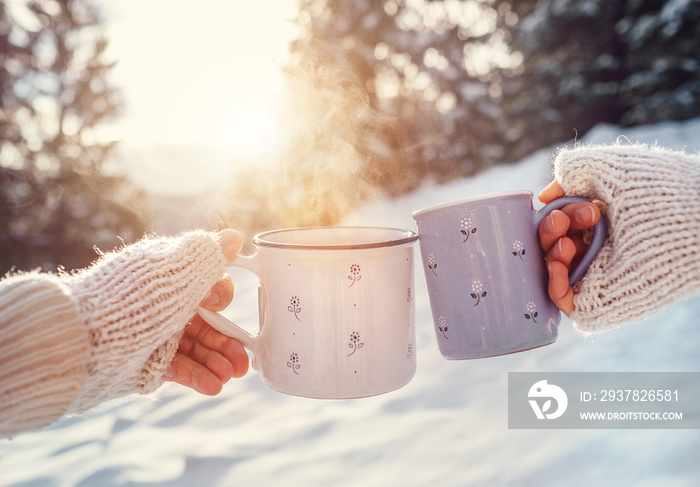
{"type": "Point", "coordinates": [486, 274]}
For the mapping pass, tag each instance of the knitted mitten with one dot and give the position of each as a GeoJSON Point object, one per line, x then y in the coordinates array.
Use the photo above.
{"type": "Point", "coordinates": [135, 304]}
{"type": "Point", "coordinates": [652, 255]}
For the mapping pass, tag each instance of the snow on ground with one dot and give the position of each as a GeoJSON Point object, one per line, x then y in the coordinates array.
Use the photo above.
{"type": "Point", "coordinates": [448, 427]}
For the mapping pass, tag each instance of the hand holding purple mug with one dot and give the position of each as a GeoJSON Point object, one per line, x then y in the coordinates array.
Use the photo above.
{"type": "Point", "coordinates": [486, 273]}
{"type": "Point", "coordinates": [562, 239]}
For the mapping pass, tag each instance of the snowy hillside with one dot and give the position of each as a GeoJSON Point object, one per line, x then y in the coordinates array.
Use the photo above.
{"type": "Point", "coordinates": [448, 427]}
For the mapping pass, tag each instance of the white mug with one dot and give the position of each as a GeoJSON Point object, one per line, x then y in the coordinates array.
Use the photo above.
{"type": "Point", "coordinates": [336, 311]}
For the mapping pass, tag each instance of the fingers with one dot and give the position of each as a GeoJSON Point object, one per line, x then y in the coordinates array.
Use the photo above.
{"type": "Point", "coordinates": [572, 218]}
{"type": "Point", "coordinates": [199, 338]}
{"type": "Point", "coordinates": [553, 227]}
{"type": "Point", "coordinates": [559, 290]}
{"type": "Point", "coordinates": [561, 237]}
{"type": "Point", "coordinates": [559, 259]}
{"type": "Point", "coordinates": [220, 295]}
{"type": "Point", "coordinates": [551, 192]}
{"type": "Point", "coordinates": [206, 359]}
{"type": "Point", "coordinates": [563, 251]}
{"type": "Point", "coordinates": [582, 215]}
{"type": "Point", "coordinates": [229, 348]}
{"type": "Point", "coordinates": [205, 370]}
{"type": "Point", "coordinates": [231, 243]}
{"type": "Point", "coordinates": [212, 359]}
{"type": "Point", "coordinates": [190, 373]}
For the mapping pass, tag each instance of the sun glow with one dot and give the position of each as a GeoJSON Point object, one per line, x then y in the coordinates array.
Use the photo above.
{"type": "Point", "coordinates": [204, 73]}
{"type": "Point", "coordinates": [244, 124]}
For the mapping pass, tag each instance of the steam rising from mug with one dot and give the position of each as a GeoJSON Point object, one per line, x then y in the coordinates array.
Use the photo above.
{"type": "Point", "coordinates": [336, 150]}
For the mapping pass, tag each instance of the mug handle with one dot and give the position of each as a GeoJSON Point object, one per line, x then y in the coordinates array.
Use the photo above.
{"type": "Point", "coordinates": [599, 235]}
{"type": "Point", "coordinates": [226, 326]}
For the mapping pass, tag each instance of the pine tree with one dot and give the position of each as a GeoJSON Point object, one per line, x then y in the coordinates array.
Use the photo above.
{"type": "Point", "coordinates": [479, 82]}
{"type": "Point", "coordinates": [392, 93]}
{"type": "Point", "coordinates": [60, 193]}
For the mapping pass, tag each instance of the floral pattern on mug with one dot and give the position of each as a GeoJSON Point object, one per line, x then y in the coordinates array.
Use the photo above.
{"type": "Point", "coordinates": [466, 228]}
{"type": "Point", "coordinates": [531, 311]}
{"type": "Point", "coordinates": [518, 249]}
{"type": "Point", "coordinates": [442, 326]}
{"type": "Point", "coordinates": [409, 356]}
{"type": "Point", "coordinates": [409, 297]}
{"type": "Point", "coordinates": [432, 265]}
{"type": "Point", "coordinates": [355, 343]}
{"type": "Point", "coordinates": [478, 291]}
{"type": "Point", "coordinates": [293, 363]}
{"type": "Point", "coordinates": [295, 307]}
{"type": "Point", "coordinates": [354, 274]}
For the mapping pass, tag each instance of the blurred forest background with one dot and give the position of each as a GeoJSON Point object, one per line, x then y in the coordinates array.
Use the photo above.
{"type": "Point", "coordinates": [380, 97]}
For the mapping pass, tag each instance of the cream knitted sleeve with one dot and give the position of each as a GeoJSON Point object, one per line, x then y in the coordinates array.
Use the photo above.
{"type": "Point", "coordinates": [43, 351]}
{"type": "Point", "coordinates": [135, 304]}
{"type": "Point", "coordinates": [68, 343]}
{"type": "Point", "coordinates": [652, 255]}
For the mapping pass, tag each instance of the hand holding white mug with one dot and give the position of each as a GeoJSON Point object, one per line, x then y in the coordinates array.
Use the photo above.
{"type": "Point", "coordinates": [206, 358]}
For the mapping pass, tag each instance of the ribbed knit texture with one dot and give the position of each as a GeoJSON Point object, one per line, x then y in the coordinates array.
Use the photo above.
{"type": "Point", "coordinates": [135, 304]}
{"type": "Point", "coordinates": [43, 351]}
{"type": "Point", "coordinates": [652, 254]}
{"type": "Point", "coordinates": [72, 342]}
